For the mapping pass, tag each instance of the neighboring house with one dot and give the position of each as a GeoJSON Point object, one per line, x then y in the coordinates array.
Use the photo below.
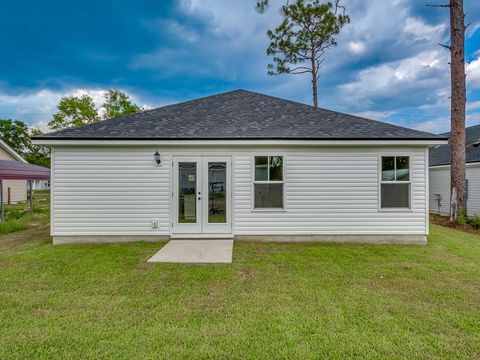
{"type": "Point", "coordinates": [244, 165]}
{"type": "Point", "coordinates": [440, 174]}
{"type": "Point", "coordinates": [41, 184]}
{"type": "Point", "coordinates": [14, 191]}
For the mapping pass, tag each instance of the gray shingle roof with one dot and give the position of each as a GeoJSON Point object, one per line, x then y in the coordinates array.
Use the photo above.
{"type": "Point", "coordinates": [440, 155]}
{"type": "Point", "coordinates": [243, 115]}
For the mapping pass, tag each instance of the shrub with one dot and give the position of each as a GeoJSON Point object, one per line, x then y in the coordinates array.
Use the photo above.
{"type": "Point", "coordinates": [462, 219]}
{"type": "Point", "coordinates": [475, 221]}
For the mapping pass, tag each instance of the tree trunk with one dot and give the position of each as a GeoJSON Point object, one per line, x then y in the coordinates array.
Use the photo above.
{"type": "Point", "coordinates": [458, 100]}
{"type": "Point", "coordinates": [314, 84]}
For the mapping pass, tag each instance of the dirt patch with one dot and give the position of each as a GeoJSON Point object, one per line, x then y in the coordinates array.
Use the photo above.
{"type": "Point", "coordinates": [24, 236]}
{"type": "Point", "coordinates": [249, 274]}
{"type": "Point", "coordinates": [445, 221]}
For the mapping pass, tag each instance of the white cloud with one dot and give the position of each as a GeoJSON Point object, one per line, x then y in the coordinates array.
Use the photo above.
{"type": "Point", "coordinates": [375, 115]}
{"type": "Point", "coordinates": [357, 47]}
{"type": "Point", "coordinates": [180, 31]}
{"type": "Point", "coordinates": [399, 78]}
{"type": "Point", "coordinates": [36, 108]}
{"type": "Point", "coordinates": [231, 39]}
{"type": "Point", "coordinates": [418, 30]}
{"type": "Point", "coordinates": [234, 20]}
{"type": "Point", "coordinates": [442, 102]}
{"type": "Point", "coordinates": [402, 65]}
{"type": "Point", "coordinates": [473, 72]}
{"type": "Point", "coordinates": [436, 126]}
{"type": "Point", "coordinates": [442, 123]}
{"type": "Point", "coordinates": [473, 105]}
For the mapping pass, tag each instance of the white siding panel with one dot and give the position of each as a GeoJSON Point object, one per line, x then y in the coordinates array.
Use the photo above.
{"type": "Point", "coordinates": [473, 203]}
{"type": "Point", "coordinates": [440, 184]}
{"type": "Point", "coordinates": [330, 191]}
{"type": "Point", "coordinates": [119, 191]}
{"type": "Point", "coordinates": [110, 191]}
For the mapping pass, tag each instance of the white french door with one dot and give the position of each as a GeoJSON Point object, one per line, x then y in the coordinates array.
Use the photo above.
{"type": "Point", "coordinates": [202, 195]}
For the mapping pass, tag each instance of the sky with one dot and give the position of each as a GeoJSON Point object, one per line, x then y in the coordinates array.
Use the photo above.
{"type": "Point", "coordinates": [388, 64]}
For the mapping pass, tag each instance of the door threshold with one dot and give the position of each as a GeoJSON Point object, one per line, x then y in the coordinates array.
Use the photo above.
{"type": "Point", "coordinates": [201, 236]}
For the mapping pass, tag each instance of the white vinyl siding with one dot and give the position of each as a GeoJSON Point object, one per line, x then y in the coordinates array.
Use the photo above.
{"type": "Point", "coordinates": [330, 191]}
{"type": "Point", "coordinates": [327, 190]}
{"type": "Point", "coordinates": [110, 191]}
{"type": "Point", "coordinates": [440, 184]}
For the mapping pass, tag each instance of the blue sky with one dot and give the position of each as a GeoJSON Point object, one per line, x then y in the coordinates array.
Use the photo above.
{"type": "Point", "coordinates": [388, 64]}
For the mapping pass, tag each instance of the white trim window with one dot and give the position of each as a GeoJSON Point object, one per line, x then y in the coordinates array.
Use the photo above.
{"type": "Point", "coordinates": [395, 182]}
{"type": "Point", "coordinates": [268, 184]}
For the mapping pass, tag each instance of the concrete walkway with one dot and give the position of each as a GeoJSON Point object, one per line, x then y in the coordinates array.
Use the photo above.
{"type": "Point", "coordinates": [195, 251]}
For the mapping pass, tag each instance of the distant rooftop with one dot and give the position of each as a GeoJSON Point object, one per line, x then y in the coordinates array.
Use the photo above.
{"type": "Point", "coordinates": [440, 154]}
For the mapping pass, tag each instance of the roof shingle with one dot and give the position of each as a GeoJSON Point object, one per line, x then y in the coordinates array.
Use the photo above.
{"type": "Point", "coordinates": [440, 155]}
{"type": "Point", "coordinates": [241, 115]}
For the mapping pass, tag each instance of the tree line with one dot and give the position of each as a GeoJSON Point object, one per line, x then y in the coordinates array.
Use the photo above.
{"type": "Point", "coordinates": [72, 111]}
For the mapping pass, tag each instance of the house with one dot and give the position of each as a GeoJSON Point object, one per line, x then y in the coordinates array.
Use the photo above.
{"type": "Point", "coordinates": [440, 174]}
{"type": "Point", "coordinates": [14, 191]}
{"type": "Point", "coordinates": [19, 170]}
{"type": "Point", "coordinates": [244, 165]}
{"type": "Point", "coordinates": [41, 184]}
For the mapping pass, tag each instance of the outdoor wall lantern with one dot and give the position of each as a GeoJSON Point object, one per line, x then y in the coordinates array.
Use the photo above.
{"type": "Point", "coordinates": [157, 157]}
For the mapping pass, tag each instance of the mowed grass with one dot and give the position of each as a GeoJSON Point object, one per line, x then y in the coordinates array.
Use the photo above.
{"type": "Point", "coordinates": [274, 301]}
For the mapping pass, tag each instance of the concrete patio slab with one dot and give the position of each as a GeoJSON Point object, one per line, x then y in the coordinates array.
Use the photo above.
{"type": "Point", "coordinates": [195, 251]}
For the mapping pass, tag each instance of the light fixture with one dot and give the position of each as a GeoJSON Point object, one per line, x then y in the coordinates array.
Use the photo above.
{"type": "Point", "coordinates": [157, 157]}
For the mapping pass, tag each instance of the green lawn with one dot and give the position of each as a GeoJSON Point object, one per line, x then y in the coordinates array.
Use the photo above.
{"type": "Point", "coordinates": [275, 300]}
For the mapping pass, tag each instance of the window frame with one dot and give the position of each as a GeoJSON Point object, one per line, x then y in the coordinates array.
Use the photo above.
{"type": "Point", "coordinates": [381, 181]}
{"type": "Point", "coordinates": [283, 182]}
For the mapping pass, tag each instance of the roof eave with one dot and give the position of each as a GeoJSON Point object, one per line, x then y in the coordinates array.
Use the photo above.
{"type": "Point", "coordinates": [51, 141]}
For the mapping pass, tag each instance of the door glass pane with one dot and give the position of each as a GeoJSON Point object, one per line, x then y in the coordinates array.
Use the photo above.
{"type": "Point", "coordinates": [217, 182]}
{"type": "Point", "coordinates": [187, 189]}
{"type": "Point", "coordinates": [261, 168]}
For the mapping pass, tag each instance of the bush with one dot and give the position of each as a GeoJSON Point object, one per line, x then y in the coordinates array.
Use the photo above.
{"type": "Point", "coordinates": [475, 221]}
{"type": "Point", "coordinates": [462, 219]}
